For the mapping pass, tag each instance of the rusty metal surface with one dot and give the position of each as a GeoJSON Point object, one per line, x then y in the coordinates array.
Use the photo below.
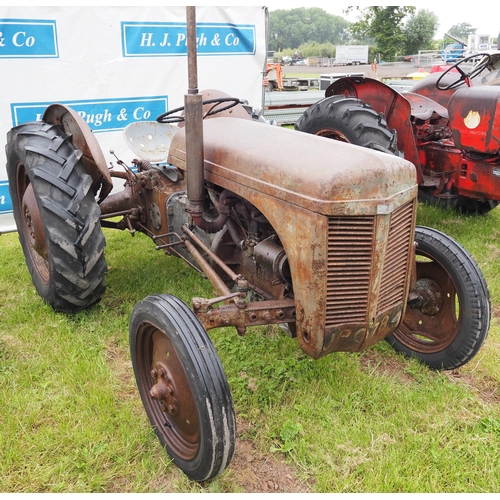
{"type": "Point", "coordinates": [172, 402]}
{"type": "Point", "coordinates": [32, 223]}
{"type": "Point", "coordinates": [369, 261]}
{"type": "Point", "coordinates": [308, 171]}
{"type": "Point", "coordinates": [142, 201]}
{"type": "Point", "coordinates": [310, 183]}
{"type": "Point", "coordinates": [85, 141]}
{"type": "Point", "coordinates": [253, 314]}
{"type": "Point", "coordinates": [434, 321]}
{"type": "Point", "coordinates": [32, 227]}
{"type": "Point", "coordinates": [237, 111]}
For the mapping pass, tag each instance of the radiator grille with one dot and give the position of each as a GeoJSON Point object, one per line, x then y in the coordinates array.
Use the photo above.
{"type": "Point", "coordinates": [350, 241]}
{"type": "Point", "coordinates": [350, 256]}
{"type": "Point", "coordinates": [393, 282]}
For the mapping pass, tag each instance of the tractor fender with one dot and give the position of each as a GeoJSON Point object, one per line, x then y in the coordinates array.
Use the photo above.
{"type": "Point", "coordinates": [84, 140]}
{"type": "Point", "coordinates": [383, 99]}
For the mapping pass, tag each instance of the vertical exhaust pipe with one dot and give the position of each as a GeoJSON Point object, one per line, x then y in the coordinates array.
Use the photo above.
{"type": "Point", "coordinates": [193, 106]}
{"type": "Point", "coordinates": [193, 124]}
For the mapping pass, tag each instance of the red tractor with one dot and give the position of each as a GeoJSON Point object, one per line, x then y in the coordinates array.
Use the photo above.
{"type": "Point", "coordinates": [450, 134]}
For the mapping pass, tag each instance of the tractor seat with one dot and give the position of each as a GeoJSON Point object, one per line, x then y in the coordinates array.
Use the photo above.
{"type": "Point", "coordinates": [424, 108]}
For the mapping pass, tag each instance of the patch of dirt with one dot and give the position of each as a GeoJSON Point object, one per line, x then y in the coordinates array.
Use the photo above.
{"type": "Point", "coordinates": [388, 367]}
{"type": "Point", "coordinates": [495, 312]}
{"type": "Point", "coordinates": [256, 472]}
{"type": "Point", "coordinates": [251, 471]}
{"type": "Point", "coordinates": [486, 389]}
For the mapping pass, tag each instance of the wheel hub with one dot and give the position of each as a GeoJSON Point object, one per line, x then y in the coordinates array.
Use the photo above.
{"type": "Point", "coordinates": [426, 296]}
{"type": "Point", "coordinates": [33, 223]}
{"type": "Point", "coordinates": [163, 390]}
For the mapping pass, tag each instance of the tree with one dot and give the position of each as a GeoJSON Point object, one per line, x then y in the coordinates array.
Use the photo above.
{"type": "Point", "coordinates": [419, 32]}
{"type": "Point", "coordinates": [384, 25]}
{"type": "Point", "coordinates": [294, 27]}
{"type": "Point", "coordinates": [462, 30]}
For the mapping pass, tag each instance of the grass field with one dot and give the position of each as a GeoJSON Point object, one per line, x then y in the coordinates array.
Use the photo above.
{"type": "Point", "coordinates": [72, 420]}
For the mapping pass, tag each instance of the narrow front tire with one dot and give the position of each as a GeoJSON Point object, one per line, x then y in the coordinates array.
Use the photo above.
{"type": "Point", "coordinates": [182, 386]}
{"type": "Point", "coordinates": [448, 316]}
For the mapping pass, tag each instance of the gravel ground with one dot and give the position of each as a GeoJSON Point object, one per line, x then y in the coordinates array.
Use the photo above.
{"type": "Point", "coordinates": [384, 70]}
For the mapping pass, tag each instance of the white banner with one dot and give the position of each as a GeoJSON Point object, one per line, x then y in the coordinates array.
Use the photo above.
{"type": "Point", "coordinates": [117, 65]}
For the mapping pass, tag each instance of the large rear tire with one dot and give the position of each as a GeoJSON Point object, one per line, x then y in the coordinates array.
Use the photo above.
{"type": "Point", "coordinates": [348, 119]}
{"type": "Point", "coordinates": [462, 204]}
{"type": "Point", "coordinates": [448, 323]}
{"type": "Point", "coordinates": [183, 387]}
{"type": "Point", "coordinates": [57, 216]}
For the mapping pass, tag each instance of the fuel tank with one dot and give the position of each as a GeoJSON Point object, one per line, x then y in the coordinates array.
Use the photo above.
{"type": "Point", "coordinates": [475, 118]}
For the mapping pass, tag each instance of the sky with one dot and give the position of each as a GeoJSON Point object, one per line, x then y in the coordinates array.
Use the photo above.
{"type": "Point", "coordinates": [485, 18]}
{"type": "Point", "coordinates": [479, 16]}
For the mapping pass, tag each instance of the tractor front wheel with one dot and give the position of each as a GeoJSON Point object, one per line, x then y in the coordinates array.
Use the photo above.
{"type": "Point", "coordinates": [448, 313]}
{"type": "Point", "coordinates": [57, 216]}
{"type": "Point", "coordinates": [182, 386]}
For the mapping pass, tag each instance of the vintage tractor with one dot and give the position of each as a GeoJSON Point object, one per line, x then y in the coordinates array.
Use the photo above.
{"type": "Point", "coordinates": [291, 229]}
{"type": "Point", "coordinates": [450, 134]}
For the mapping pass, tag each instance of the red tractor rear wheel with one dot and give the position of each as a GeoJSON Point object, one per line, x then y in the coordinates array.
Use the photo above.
{"type": "Point", "coordinates": [349, 120]}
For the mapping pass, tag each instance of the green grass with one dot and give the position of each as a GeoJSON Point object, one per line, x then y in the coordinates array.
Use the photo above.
{"type": "Point", "coordinates": [72, 420]}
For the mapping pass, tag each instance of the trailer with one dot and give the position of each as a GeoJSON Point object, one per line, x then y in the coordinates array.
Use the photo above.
{"type": "Point", "coordinates": [351, 55]}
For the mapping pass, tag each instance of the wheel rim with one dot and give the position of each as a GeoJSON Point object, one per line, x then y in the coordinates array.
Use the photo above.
{"type": "Point", "coordinates": [32, 226]}
{"type": "Point", "coordinates": [432, 331]}
{"type": "Point", "coordinates": [332, 134]}
{"type": "Point", "coordinates": [167, 395]}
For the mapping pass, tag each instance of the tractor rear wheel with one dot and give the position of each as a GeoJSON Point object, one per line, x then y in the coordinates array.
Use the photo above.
{"type": "Point", "coordinates": [57, 216]}
{"type": "Point", "coordinates": [459, 203]}
{"type": "Point", "coordinates": [351, 120]}
{"type": "Point", "coordinates": [448, 314]}
{"type": "Point", "coordinates": [182, 386]}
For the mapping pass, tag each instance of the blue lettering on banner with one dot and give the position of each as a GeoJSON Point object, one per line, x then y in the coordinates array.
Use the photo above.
{"type": "Point", "coordinates": [5, 201]}
{"type": "Point", "coordinates": [104, 115]}
{"type": "Point", "coordinates": [25, 38]}
{"type": "Point", "coordinates": [170, 39]}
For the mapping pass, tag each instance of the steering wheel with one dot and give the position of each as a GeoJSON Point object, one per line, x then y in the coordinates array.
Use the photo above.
{"type": "Point", "coordinates": [168, 118]}
{"type": "Point", "coordinates": [464, 76]}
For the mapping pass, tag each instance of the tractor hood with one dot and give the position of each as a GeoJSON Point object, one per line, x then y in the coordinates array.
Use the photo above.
{"type": "Point", "coordinates": [312, 172]}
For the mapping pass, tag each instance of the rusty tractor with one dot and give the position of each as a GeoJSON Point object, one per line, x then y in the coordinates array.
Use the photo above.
{"type": "Point", "coordinates": [319, 239]}
{"type": "Point", "coordinates": [447, 125]}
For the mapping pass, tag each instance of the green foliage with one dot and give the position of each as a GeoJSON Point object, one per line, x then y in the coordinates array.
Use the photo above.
{"type": "Point", "coordinates": [287, 435]}
{"type": "Point", "coordinates": [310, 49]}
{"type": "Point", "coordinates": [289, 29]}
{"type": "Point", "coordinates": [419, 32]}
{"type": "Point", "coordinates": [384, 24]}
{"type": "Point", "coordinates": [392, 31]}
{"type": "Point", "coordinates": [461, 30]}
